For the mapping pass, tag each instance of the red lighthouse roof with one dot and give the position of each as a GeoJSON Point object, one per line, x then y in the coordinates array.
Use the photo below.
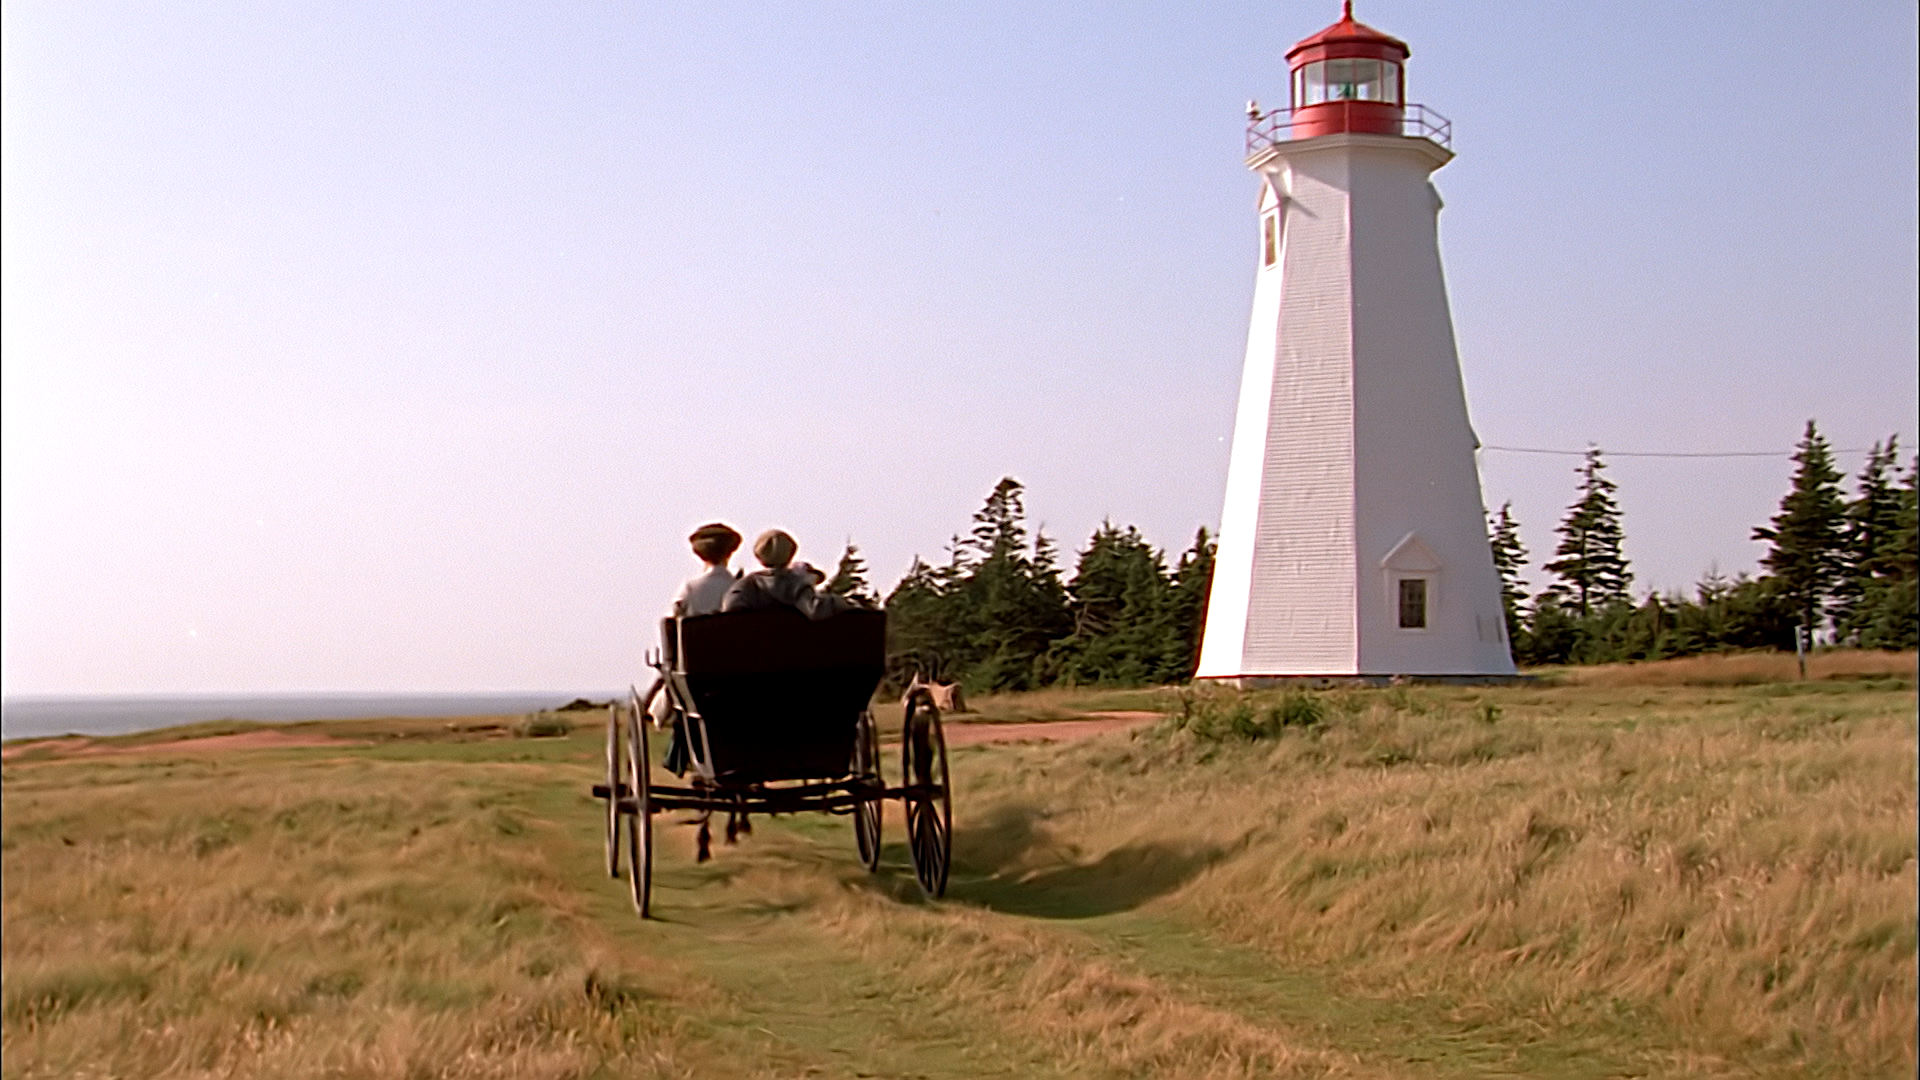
{"type": "Point", "coordinates": [1348, 38]}
{"type": "Point", "coordinates": [1346, 79]}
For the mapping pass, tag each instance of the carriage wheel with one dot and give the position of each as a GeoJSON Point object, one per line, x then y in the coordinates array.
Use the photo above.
{"type": "Point", "coordinates": [613, 791]}
{"type": "Point", "coordinates": [923, 761]}
{"type": "Point", "coordinates": [640, 822]}
{"type": "Point", "coordinates": [867, 812]}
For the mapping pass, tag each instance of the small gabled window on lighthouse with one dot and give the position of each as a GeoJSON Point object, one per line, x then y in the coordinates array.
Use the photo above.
{"type": "Point", "coordinates": [1413, 603]}
{"type": "Point", "coordinates": [1270, 239]}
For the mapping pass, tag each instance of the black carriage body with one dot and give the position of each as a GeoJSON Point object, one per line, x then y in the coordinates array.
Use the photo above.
{"type": "Point", "coordinates": [777, 695]}
{"type": "Point", "coordinates": [776, 711]}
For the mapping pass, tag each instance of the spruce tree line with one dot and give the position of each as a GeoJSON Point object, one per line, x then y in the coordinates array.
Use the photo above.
{"type": "Point", "coordinates": [1838, 569]}
{"type": "Point", "coordinates": [1000, 613]}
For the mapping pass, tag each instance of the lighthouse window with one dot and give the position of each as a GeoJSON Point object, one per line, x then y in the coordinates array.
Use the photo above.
{"type": "Point", "coordinates": [1413, 603]}
{"type": "Point", "coordinates": [1270, 242]}
{"type": "Point", "coordinates": [1347, 80]}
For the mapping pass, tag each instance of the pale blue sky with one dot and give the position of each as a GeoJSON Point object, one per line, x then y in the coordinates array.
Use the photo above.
{"type": "Point", "coordinates": [399, 347]}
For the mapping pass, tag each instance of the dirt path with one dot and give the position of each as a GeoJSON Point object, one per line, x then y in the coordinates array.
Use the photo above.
{"type": "Point", "coordinates": [245, 740]}
{"type": "Point", "coordinates": [965, 734]}
{"type": "Point", "coordinates": [64, 744]}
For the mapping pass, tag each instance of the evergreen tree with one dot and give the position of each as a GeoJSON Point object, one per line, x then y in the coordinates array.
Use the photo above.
{"type": "Point", "coordinates": [1119, 601]}
{"type": "Point", "coordinates": [1759, 614]}
{"type": "Point", "coordinates": [850, 580]}
{"type": "Point", "coordinates": [1700, 625]}
{"type": "Point", "coordinates": [988, 616]}
{"type": "Point", "coordinates": [1187, 608]}
{"type": "Point", "coordinates": [1873, 528]}
{"type": "Point", "coordinates": [1552, 634]}
{"type": "Point", "coordinates": [1620, 632]}
{"type": "Point", "coordinates": [1049, 594]}
{"type": "Point", "coordinates": [920, 626]}
{"type": "Point", "coordinates": [1509, 558]}
{"type": "Point", "coordinates": [1809, 533]}
{"type": "Point", "coordinates": [1012, 611]}
{"type": "Point", "coordinates": [1590, 563]}
{"type": "Point", "coordinates": [1874, 519]}
{"type": "Point", "coordinates": [999, 527]}
{"type": "Point", "coordinates": [1889, 613]}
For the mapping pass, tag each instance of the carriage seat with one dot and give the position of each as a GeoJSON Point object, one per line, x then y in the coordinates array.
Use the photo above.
{"type": "Point", "coordinates": [780, 694]}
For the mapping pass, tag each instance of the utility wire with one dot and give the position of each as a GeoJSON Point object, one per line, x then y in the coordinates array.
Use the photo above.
{"type": "Point", "coordinates": [1662, 454]}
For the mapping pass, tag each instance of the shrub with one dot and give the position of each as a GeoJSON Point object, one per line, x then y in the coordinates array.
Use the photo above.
{"type": "Point", "coordinates": [1244, 719]}
{"type": "Point", "coordinates": [542, 726]}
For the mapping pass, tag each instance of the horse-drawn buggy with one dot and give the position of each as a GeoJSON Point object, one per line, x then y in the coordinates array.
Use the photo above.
{"type": "Point", "coordinates": [773, 715]}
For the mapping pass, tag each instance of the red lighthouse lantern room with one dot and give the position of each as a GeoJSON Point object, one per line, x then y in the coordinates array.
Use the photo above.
{"type": "Point", "coordinates": [1348, 77]}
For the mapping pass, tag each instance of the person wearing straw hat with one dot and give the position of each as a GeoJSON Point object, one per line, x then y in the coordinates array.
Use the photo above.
{"type": "Point", "coordinates": [714, 544]}
{"type": "Point", "coordinates": [782, 582]}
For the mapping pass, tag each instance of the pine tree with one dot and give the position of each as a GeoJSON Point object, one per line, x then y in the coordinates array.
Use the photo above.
{"type": "Point", "coordinates": [1509, 558]}
{"type": "Point", "coordinates": [1011, 610]}
{"type": "Point", "coordinates": [1552, 633]}
{"type": "Point", "coordinates": [1590, 565]}
{"type": "Point", "coordinates": [1873, 527]}
{"type": "Point", "coordinates": [1889, 613]}
{"type": "Point", "coordinates": [1119, 604]}
{"type": "Point", "coordinates": [989, 614]}
{"type": "Point", "coordinates": [1874, 519]}
{"type": "Point", "coordinates": [850, 580]}
{"type": "Point", "coordinates": [1759, 615]}
{"type": "Point", "coordinates": [1187, 607]}
{"type": "Point", "coordinates": [999, 527]}
{"type": "Point", "coordinates": [920, 637]}
{"type": "Point", "coordinates": [1809, 533]}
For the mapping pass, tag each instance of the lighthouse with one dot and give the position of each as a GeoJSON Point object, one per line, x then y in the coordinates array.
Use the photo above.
{"type": "Point", "coordinates": [1353, 541]}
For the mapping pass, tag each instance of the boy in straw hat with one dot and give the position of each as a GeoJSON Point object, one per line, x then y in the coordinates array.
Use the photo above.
{"type": "Point", "coordinates": [714, 544]}
{"type": "Point", "coordinates": [782, 582]}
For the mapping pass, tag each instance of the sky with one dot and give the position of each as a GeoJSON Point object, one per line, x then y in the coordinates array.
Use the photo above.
{"type": "Point", "coordinates": [385, 347]}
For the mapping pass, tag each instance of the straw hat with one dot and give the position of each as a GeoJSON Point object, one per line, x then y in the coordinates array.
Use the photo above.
{"type": "Point", "coordinates": [714, 542]}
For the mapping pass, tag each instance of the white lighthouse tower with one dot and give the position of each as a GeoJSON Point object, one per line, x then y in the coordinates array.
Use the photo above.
{"type": "Point", "coordinates": [1354, 539]}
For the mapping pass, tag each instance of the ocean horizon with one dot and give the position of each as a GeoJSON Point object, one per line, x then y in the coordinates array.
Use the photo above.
{"type": "Point", "coordinates": [33, 716]}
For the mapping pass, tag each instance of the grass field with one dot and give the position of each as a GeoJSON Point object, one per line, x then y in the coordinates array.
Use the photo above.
{"type": "Point", "coordinates": [1701, 868]}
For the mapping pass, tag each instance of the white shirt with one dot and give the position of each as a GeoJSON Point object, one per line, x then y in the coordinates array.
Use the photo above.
{"type": "Point", "coordinates": [701, 595]}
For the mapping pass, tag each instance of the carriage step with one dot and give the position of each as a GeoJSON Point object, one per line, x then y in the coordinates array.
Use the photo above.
{"type": "Point", "coordinates": [600, 791]}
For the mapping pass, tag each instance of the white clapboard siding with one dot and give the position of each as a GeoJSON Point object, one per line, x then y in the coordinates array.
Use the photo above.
{"type": "Point", "coordinates": [1352, 438]}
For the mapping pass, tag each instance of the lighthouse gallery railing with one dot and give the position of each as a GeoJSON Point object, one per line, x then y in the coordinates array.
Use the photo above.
{"type": "Point", "coordinates": [1419, 122]}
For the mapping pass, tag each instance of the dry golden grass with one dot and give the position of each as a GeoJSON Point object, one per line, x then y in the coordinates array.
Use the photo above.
{"type": "Point", "coordinates": [1728, 874]}
{"type": "Point", "coordinates": [253, 916]}
{"type": "Point", "coordinates": [1546, 880]}
{"type": "Point", "coordinates": [1093, 1013]}
{"type": "Point", "coordinates": [1097, 1013]}
{"type": "Point", "coordinates": [1743, 669]}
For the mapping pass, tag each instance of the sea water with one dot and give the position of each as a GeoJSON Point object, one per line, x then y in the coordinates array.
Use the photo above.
{"type": "Point", "coordinates": [33, 717]}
